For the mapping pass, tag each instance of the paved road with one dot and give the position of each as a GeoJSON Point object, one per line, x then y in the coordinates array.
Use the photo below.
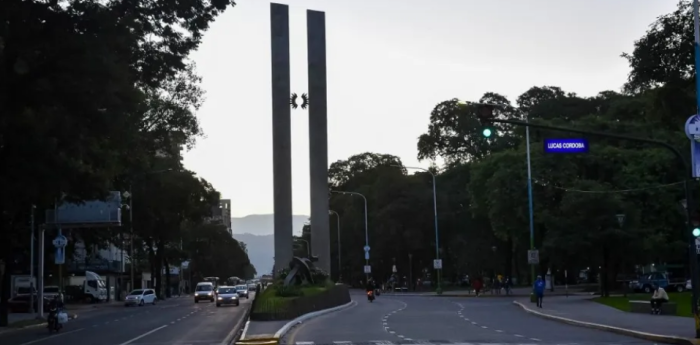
{"type": "Point", "coordinates": [178, 321]}
{"type": "Point", "coordinates": [440, 320]}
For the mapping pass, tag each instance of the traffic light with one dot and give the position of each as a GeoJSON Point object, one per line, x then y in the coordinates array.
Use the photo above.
{"type": "Point", "coordinates": [485, 114]}
{"type": "Point", "coordinates": [696, 231]}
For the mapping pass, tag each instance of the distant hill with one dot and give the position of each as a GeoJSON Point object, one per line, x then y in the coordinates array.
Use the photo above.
{"type": "Point", "coordinates": [256, 231]}
{"type": "Point", "coordinates": [263, 224]}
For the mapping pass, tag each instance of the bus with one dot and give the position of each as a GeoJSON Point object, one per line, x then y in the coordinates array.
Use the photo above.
{"type": "Point", "coordinates": [213, 280]}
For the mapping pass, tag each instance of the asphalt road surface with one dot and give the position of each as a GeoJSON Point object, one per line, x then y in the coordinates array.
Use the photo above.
{"type": "Point", "coordinates": [175, 322]}
{"type": "Point", "coordinates": [443, 320]}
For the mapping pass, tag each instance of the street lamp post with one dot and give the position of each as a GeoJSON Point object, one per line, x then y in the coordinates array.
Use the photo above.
{"type": "Point", "coordinates": [337, 216]}
{"type": "Point", "coordinates": [366, 232]}
{"type": "Point", "coordinates": [437, 232]}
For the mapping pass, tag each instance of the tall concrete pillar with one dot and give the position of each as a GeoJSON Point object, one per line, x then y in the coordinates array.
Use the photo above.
{"type": "Point", "coordinates": [281, 134]}
{"type": "Point", "coordinates": [318, 138]}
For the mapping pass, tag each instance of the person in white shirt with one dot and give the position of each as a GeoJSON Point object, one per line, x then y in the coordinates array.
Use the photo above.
{"type": "Point", "coordinates": [659, 297]}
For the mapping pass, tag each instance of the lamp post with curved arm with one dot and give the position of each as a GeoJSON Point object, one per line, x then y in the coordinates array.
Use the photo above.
{"type": "Point", "coordinates": [366, 232]}
{"type": "Point", "coordinates": [437, 232]}
{"type": "Point", "coordinates": [340, 267]}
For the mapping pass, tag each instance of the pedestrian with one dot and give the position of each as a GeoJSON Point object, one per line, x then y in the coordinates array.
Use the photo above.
{"type": "Point", "coordinates": [538, 289]}
{"type": "Point", "coordinates": [657, 299]}
{"type": "Point", "coordinates": [507, 285]}
{"type": "Point", "coordinates": [477, 286]}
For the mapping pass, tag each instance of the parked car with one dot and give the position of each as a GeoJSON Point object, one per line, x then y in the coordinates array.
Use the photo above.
{"type": "Point", "coordinates": [20, 304]}
{"type": "Point", "coordinates": [140, 297]}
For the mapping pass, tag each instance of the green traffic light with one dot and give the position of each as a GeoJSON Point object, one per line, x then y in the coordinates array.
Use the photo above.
{"type": "Point", "coordinates": [696, 232]}
{"type": "Point", "coordinates": [487, 132]}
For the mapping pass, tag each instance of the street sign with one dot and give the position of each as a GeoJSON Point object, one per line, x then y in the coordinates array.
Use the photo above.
{"type": "Point", "coordinates": [697, 246]}
{"type": "Point", "coordinates": [366, 248]}
{"type": "Point", "coordinates": [366, 255]}
{"type": "Point", "coordinates": [437, 264]}
{"type": "Point", "coordinates": [692, 131]}
{"type": "Point", "coordinates": [620, 219]}
{"type": "Point", "coordinates": [533, 257]}
{"type": "Point", "coordinates": [60, 242]}
{"type": "Point", "coordinates": [368, 269]}
{"type": "Point", "coordinates": [393, 269]}
{"type": "Point", "coordinates": [568, 145]}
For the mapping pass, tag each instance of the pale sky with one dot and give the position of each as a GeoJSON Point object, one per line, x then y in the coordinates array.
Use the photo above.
{"type": "Point", "coordinates": [389, 63]}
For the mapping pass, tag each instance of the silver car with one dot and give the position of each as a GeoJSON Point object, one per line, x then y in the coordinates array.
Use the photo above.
{"type": "Point", "coordinates": [242, 291]}
{"type": "Point", "coordinates": [227, 295]}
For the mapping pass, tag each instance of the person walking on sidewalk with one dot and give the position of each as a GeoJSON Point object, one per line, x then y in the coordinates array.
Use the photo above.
{"type": "Point", "coordinates": [538, 289]}
{"type": "Point", "coordinates": [657, 299]}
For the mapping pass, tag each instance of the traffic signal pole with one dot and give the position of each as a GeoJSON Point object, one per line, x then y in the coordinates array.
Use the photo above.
{"type": "Point", "coordinates": [692, 256]}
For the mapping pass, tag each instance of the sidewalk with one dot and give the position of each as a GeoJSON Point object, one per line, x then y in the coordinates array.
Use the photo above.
{"type": "Point", "coordinates": [515, 292]}
{"type": "Point", "coordinates": [582, 311]}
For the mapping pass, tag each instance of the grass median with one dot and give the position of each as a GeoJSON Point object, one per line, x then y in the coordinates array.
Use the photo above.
{"type": "Point", "coordinates": [272, 301]}
{"type": "Point", "coordinates": [682, 300]}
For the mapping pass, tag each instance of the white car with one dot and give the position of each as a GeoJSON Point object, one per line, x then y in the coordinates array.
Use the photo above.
{"type": "Point", "coordinates": [688, 285]}
{"type": "Point", "coordinates": [242, 291]}
{"type": "Point", "coordinates": [140, 297]}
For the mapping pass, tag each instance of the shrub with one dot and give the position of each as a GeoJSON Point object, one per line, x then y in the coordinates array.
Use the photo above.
{"type": "Point", "coordinates": [289, 291]}
{"type": "Point", "coordinates": [319, 276]}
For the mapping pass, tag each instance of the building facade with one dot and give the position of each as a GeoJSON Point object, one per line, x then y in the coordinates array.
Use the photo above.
{"type": "Point", "coordinates": [222, 214]}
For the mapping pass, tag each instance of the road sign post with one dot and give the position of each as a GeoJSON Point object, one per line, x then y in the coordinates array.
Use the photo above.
{"type": "Point", "coordinates": [620, 219]}
{"type": "Point", "coordinates": [533, 257]}
{"type": "Point", "coordinates": [437, 264]}
{"type": "Point", "coordinates": [368, 269]}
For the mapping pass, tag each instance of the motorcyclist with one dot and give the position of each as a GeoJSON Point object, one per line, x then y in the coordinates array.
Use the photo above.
{"type": "Point", "coordinates": [370, 286]}
{"type": "Point", "coordinates": [55, 306]}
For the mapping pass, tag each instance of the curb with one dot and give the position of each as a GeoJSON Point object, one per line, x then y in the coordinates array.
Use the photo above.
{"type": "Point", "coordinates": [233, 336]}
{"type": "Point", "coordinates": [309, 316]}
{"type": "Point", "coordinates": [270, 339]}
{"type": "Point", "coordinates": [668, 339]}
{"type": "Point", "coordinates": [11, 329]}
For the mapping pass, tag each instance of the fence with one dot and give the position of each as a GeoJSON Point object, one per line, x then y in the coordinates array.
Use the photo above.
{"type": "Point", "coordinates": [273, 309]}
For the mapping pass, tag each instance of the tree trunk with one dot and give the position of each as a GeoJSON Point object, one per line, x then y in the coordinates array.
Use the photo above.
{"type": "Point", "coordinates": [604, 275]}
{"type": "Point", "coordinates": [167, 278]}
{"type": "Point", "coordinates": [159, 268]}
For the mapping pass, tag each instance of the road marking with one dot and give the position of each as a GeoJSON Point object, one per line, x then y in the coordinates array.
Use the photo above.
{"type": "Point", "coordinates": [499, 331]}
{"type": "Point", "coordinates": [143, 335]}
{"type": "Point", "coordinates": [342, 342]}
{"type": "Point", "coordinates": [484, 327]}
{"type": "Point", "coordinates": [535, 339]}
{"type": "Point", "coordinates": [518, 335]}
{"type": "Point", "coordinates": [52, 336]}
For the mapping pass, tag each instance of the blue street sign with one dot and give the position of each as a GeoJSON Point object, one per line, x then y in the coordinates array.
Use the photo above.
{"type": "Point", "coordinates": [60, 242]}
{"type": "Point", "coordinates": [366, 255]}
{"type": "Point", "coordinates": [568, 145]}
{"type": "Point", "coordinates": [60, 257]}
{"type": "Point", "coordinates": [366, 248]}
{"type": "Point", "coordinates": [692, 130]}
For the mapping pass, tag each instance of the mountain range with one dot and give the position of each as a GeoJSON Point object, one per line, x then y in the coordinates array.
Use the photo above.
{"type": "Point", "coordinates": [257, 232]}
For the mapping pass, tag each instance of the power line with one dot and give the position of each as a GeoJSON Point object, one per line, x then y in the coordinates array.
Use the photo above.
{"type": "Point", "coordinates": [615, 191]}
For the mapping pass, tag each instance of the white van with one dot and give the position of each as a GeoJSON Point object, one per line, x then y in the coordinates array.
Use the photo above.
{"type": "Point", "coordinates": [204, 291]}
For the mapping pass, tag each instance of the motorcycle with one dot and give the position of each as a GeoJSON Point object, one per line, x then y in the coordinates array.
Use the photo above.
{"type": "Point", "coordinates": [370, 296]}
{"type": "Point", "coordinates": [53, 322]}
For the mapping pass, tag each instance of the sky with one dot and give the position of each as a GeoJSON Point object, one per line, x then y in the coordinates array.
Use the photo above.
{"type": "Point", "coordinates": [389, 63]}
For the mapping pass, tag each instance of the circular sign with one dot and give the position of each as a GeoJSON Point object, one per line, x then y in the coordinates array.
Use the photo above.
{"type": "Point", "coordinates": [60, 241]}
{"type": "Point", "coordinates": [692, 127]}
{"type": "Point", "coordinates": [366, 248]}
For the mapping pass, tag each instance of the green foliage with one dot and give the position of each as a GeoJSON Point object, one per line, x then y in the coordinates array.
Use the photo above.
{"type": "Point", "coordinates": [90, 93]}
{"type": "Point", "coordinates": [482, 190]}
{"type": "Point", "coordinates": [288, 291]}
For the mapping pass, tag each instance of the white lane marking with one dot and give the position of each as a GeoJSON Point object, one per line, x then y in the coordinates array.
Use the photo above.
{"type": "Point", "coordinates": [52, 336]}
{"type": "Point", "coordinates": [484, 327]}
{"type": "Point", "coordinates": [143, 335]}
{"type": "Point", "coordinates": [342, 342]}
{"type": "Point", "coordinates": [304, 343]}
{"type": "Point", "coordinates": [518, 335]}
{"type": "Point", "coordinates": [535, 339]}
{"type": "Point", "coordinates": [499, 331]}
